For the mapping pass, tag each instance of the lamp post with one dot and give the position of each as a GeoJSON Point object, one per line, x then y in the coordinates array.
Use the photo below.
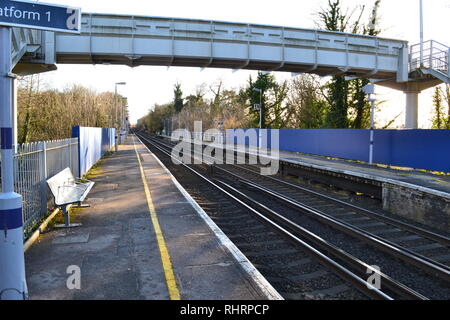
{"type": "Point", "coordinates": [370, 90]}
{"type": "Point", "coordinates": [260, 115]}
{"type": "Point", "coordinates": [117, 125]}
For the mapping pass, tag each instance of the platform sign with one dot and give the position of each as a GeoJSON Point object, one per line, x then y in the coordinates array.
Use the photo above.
{"type": "Point", "coordinates": [38, 15]}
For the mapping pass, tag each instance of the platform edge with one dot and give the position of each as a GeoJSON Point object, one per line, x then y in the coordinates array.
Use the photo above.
{"type": "Point", "coordinates": [247, 267]}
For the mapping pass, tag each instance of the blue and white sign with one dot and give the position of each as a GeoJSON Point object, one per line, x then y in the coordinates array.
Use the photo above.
{"type": "Point", "coordinates": [38, 15]}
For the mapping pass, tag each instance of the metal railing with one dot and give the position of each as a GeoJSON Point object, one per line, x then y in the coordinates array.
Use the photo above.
{"type": "Point", "coordinates": [435, 56]}
{"type": "Point", "coordinates": [23, 41]}
{"type": "Point", "coordinates": [34, 163]}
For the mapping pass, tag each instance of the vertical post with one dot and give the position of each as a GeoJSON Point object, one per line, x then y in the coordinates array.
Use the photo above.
{"type": "Point", "coordinates": [431, 55]}
{"type": "Point", "coordinates": [260, 118]}
{"type": "Point", "coordinates": [43, 175]}
{"type": "Point", "coordinates": [421, 33]}
{"type": "Point", "coordinates": [117, 140]}
{"type": "Point", "coordinates": [66, 214]}
{"type": "Point", "coordinates": [372, 128]}
{"type": "Point", "coordinates": [260, 91]}
{"type": "Point", "coordinates": [448, 63]}
{"type": "Point", "coordinates": [12, 262]}
{"type": "Point", "coordinates": [115, 105]}
{"type": "Point", "coordinates": [76, 133]}
{"type": "Point", "coordinates": [370, 90]}
{"type": "Point", "coordinates": [412, 109]}
{"type": "Point", "coordinates": [69, 146]}
{"type": "Point", "coordinates": [14, 115]}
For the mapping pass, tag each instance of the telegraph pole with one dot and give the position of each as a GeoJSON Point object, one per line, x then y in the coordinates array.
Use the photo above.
{"type": "Point", "coordinates": [12, 262]}
{"type": "Point", "coordinates": [421, 33]}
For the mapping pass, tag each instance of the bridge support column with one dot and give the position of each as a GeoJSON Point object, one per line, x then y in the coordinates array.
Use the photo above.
{"type": "Point", "coordinates": [412, 107]}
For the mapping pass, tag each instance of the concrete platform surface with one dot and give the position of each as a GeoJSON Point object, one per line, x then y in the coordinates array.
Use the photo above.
{"type": "Point", "coordinates": [116, 251]}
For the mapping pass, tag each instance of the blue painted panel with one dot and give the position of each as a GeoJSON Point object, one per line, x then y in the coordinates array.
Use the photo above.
{"type": "Point", "coordinates": [93, 144]}
{"type": "Point", "coordinates": [419, 149]}
{"type": "Point", "coordinates": [347, 144]}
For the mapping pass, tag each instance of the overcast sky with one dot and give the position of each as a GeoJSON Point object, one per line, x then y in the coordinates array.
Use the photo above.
{"type": "Point", "coordinates": [149, 85]}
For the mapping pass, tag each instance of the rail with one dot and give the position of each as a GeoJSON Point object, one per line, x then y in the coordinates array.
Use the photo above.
{"type": "Point", "coordinates": [435, 56]}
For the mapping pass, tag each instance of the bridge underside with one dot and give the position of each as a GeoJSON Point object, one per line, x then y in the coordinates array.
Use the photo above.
{"type": "Point", "coordinates": [136, 41]}
{"type": "Point", "coordinates": [234, 64]}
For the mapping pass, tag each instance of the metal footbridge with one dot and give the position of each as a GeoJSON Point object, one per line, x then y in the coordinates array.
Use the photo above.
{"type": "Point", "coordinates": [138, 40]}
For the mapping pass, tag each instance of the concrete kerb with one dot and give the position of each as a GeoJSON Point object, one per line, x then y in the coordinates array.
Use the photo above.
{"type": "Point", "coordinates": [31, 240]}
{"type": "Point", "coordinates": [247, 267]}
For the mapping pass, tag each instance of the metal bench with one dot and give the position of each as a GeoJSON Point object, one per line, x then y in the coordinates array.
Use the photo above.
{"type": "Point", "coordinates": [68, 190]}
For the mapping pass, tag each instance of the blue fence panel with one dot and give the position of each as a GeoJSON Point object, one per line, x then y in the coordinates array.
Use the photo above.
{"type": "Point", "coordinates": [419, 149]}
{"type": "Point", "coordinates": [266, 136]}
{"type": "Point", "coordinates": [346, 144]}
{"type": "Point", "coordinates": [93, 144]}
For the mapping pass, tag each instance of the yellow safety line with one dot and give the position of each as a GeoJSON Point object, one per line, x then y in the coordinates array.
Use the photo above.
{"type": "Point", "coordinates": [174, 293]}
{"type": "Point", "coordinates": [439, 180]}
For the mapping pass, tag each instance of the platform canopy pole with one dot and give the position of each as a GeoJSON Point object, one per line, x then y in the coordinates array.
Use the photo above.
{"type": "Point", "coordinates": [12, 262]}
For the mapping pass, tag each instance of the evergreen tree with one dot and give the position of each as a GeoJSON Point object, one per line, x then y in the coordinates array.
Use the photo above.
{"type": "Point", "coordinates": [178, 99]}
{"type": "Point", "coordinates": [348, 105]}
{"type": "Point", "coordinates": [441, 114]}
{"type": "Point", "coordinates": [264, 82]}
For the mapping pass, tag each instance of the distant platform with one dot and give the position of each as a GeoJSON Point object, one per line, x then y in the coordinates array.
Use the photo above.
{"type": "Point", "coordinates": [417, 195]}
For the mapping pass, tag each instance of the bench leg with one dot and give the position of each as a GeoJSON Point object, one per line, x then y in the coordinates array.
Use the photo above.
{"type": "Point", "coordinates": [67, 223]}
{"type": "Point", "coordinates": [81, 206]}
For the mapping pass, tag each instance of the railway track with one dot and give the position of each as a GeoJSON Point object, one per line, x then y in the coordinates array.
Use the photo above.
{"type": "Point", "coordinates": [256, 195]}
{"type": "Point", "coordinates": [404, 244]}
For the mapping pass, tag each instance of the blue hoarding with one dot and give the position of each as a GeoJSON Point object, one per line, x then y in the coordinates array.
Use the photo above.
{"type": "Point", "coordinates": [418, 149]}
{"type": "Point", "coordinates": [38, 15]}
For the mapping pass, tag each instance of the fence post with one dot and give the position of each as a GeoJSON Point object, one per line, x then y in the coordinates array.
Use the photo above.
{"type": "Point", "coordinates": [69, 147]}
{"type": "Point", "coordinates": [448, 63]}
{"type": "Point", "coordinates": [43, 175]}
{"type": "Point", "coordinates": [431, 54]}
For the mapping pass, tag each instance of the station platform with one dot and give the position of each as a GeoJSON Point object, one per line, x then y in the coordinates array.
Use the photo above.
{"type": "Point", "coordinates": [142, 238]}
{"type": "Point", "coordinates": [438, 184]}
{"type": "Point", "coordinates": [416, 195]}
